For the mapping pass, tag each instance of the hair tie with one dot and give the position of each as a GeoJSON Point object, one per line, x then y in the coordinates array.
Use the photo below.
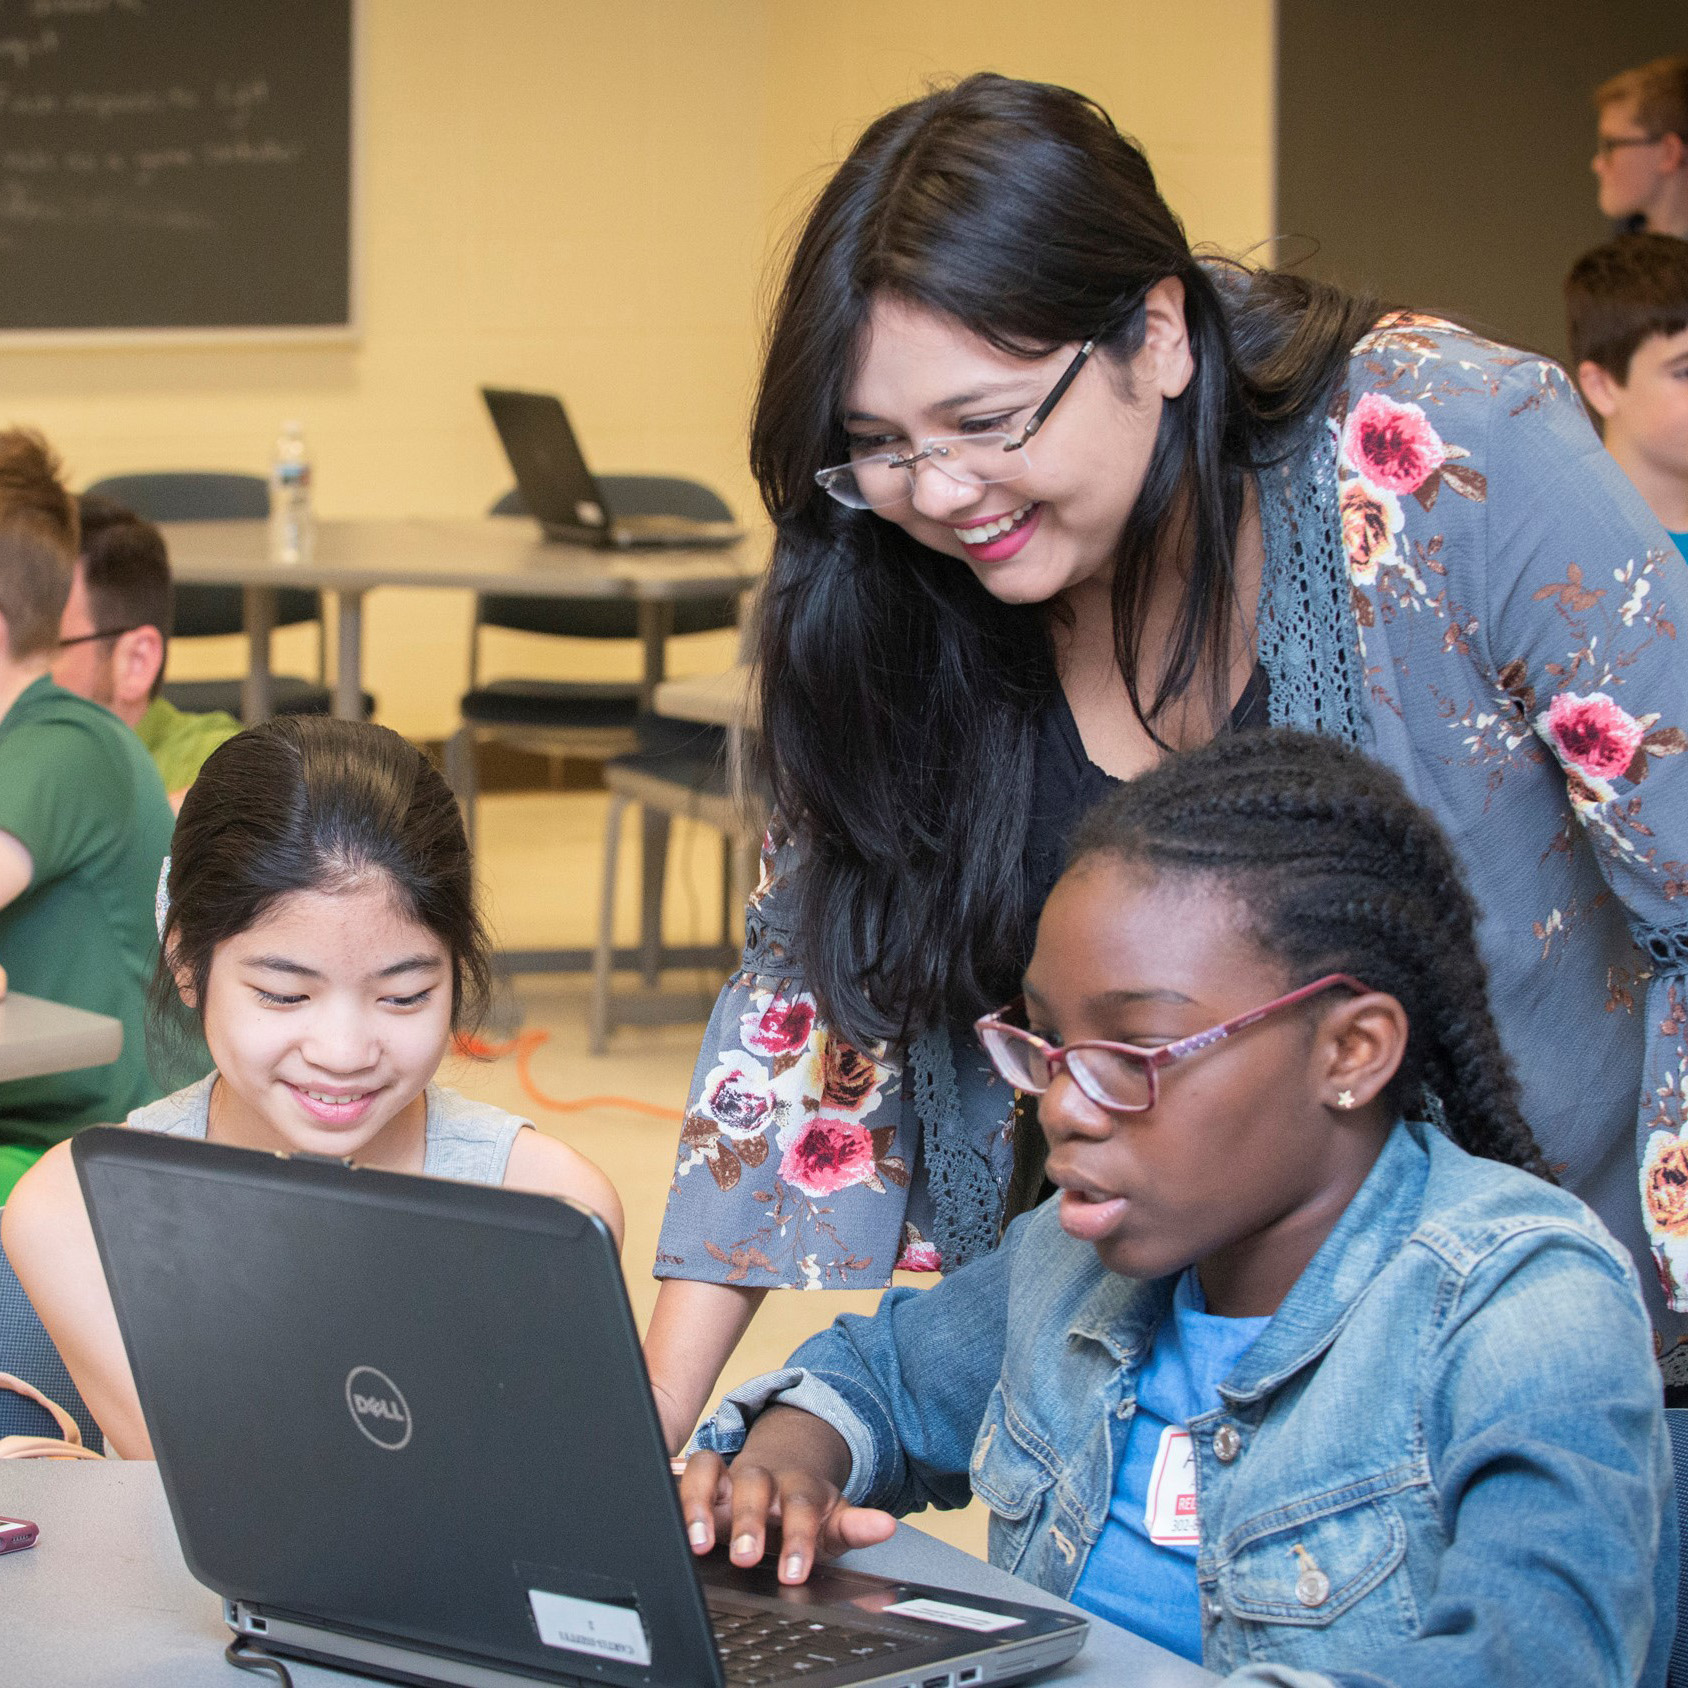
{"type": "Point", "coordinates": [161, 901]}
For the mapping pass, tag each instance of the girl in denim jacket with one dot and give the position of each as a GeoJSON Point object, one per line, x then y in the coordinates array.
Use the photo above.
{"type": "Point", "coordinates": [1285, 1378]}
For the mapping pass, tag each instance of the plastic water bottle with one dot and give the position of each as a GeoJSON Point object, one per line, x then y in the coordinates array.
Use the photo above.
{"type": "Point", "coordinates": [292, 529]}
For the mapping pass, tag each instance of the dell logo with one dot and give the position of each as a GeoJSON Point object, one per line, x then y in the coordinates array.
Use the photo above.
{"type": "Point", "coordinates": [378, 1407]}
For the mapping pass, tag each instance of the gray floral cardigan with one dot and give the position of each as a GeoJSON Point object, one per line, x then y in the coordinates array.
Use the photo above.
{"type": "Point", "coordinates": [1459, 580]}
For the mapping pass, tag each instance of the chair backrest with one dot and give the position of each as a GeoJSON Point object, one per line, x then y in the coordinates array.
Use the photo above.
{"type": "Point", "coordinates": [27, 1352]}
{"type": "Point", "coordinates": [207, 495]}
{"type": "Point", "coordinates": [626, 495]}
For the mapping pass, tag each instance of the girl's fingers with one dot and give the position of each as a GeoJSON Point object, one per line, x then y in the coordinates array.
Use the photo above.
{"type": "Point", "coordinates": [703, 1479]}
{"type": "Point", "coordinates": [738, 1503]}
{"type": "Point", "coordinates": [856, 1526]}
{"type": "Point", "coordinates": [752, 1500]}
{"type": "Point", "coordinates": [804, 1512]}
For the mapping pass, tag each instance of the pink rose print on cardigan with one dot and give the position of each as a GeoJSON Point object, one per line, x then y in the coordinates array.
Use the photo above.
{"type": "Point", "coordinates": [919, 1256]}
{"type": "Point", "coordinates": [1392, 445]}
{"type": "Point", "coordinates": [783, 1026]}
{"type": "Point", "coordinates": [828, 1155]}
{"type": "Point", "coordinates": [1593, 734]}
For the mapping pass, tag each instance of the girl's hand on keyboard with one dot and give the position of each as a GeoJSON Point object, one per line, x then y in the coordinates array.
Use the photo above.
{"type": "Point", "coordinates": [790, 1471]}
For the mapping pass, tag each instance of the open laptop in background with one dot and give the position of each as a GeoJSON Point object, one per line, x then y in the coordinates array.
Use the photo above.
{"type": "Point", "coordinates": [563, 494]}
{"type": "Point", "coordinates": [404, 1427]}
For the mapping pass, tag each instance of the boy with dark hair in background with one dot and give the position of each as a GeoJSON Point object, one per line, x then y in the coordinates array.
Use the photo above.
{"type": "Point", "coordinates": [114, 636]}
{"type": "Point", "coordinates": [1626, 307]}
{"type": "Point", "coordinates": [84, 826]}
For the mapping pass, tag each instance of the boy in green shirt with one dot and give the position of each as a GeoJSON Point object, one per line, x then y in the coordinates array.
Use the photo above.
{"type": "Point", "coordinates": [113, 636]}
{"type": "Point", "coordinates": [84, 827]}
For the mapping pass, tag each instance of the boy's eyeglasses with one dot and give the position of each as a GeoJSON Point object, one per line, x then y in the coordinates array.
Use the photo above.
{"type": "Point", "coordinates": [885, 480]}
{"type": "Point", "coordinates": [88, 638]}
{"type": "Point", "coordinates": [1121, 1077]}
{"type": "Point", "coordinates": [1606, 145]}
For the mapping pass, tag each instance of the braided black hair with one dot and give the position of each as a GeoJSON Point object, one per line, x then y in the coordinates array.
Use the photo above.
{"type": "Point", "coordinates": [1338, 871]}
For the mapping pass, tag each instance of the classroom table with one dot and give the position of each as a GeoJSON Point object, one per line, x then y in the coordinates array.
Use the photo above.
{"type": "Point", "coordinates": [104, 1597]}
{"type": "Point", "coordinates": [39, 1037]}
{"type": "Point", "coordinates": [479, 554]}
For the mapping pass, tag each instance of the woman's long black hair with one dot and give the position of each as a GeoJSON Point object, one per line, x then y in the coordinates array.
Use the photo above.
{"type": "Point", "coordinates": [899, 699]}
{"type": "Point", "coordinates": [1336, 870]}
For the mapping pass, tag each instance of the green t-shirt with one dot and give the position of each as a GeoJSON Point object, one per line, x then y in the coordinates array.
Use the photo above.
{"type": "Point", "coordinates": [179, 743]}
{"type": "Point", "coordinates": [78, 791]}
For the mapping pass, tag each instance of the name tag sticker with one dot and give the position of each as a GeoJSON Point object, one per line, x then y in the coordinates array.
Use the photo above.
{"type": "Point", "coordinates": [1170, 1514]}
{"type": "Point", "coordinates": [590, 1626]}
{"type": "Point", "coordinates": [957, 1617]}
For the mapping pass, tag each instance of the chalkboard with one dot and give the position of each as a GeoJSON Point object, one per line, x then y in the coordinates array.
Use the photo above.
{"type": "Point", "coordinates": [176, 165]}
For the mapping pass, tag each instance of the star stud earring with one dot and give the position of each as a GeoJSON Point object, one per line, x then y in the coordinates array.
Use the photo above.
{"type": "Point", "coordinates": [1345, 1098]}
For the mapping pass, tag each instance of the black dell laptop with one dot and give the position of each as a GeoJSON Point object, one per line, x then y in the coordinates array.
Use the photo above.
{"type": "Point", "coordinates": [568, 500]}
{"type": "Point", "coordinates": [404, 1427]}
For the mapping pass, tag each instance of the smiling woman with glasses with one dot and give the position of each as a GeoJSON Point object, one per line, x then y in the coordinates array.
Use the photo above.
{"type": "Point", "coordinates": [884, 480]}
{"type": "Point", "coordinates": [1055, 500]}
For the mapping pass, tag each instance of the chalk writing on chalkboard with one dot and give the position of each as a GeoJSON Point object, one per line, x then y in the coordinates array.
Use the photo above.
{"type": "Point", "coordinates": [168, 164]}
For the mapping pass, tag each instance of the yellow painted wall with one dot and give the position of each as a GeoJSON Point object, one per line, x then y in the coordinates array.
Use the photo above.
{"type": "Point", "coordinates": [579, 196]}
{"type": "Point", "coordinates": [1192, 82]}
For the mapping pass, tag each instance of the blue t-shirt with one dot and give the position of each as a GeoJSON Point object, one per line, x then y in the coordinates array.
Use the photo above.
{"type": "Point", "coordinates": [1141, 1574]}
{"type": "Point", "coordinates": [1681, 544]}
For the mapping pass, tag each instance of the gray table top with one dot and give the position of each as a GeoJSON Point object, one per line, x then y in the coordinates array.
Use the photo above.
{"type": "Point", "coordinates": [481, 553]}
{"type": "Point", "coordinates": [104, 1597]}
{"type": "Point", "coordinates": [723, 700]}
{"type": "Point", "coordinates": [38, 1037]}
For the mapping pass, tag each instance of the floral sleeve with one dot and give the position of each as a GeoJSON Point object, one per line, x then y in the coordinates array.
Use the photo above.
{"type": "Point", "coordinates": [797, 1150]}
{"type": "Point", "coordinates": [1587, 598]}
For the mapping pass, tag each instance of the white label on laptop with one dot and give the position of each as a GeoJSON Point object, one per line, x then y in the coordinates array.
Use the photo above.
{"type": "Point", "coordinates": [1170, 1513]}
{"type": "Point", "coordinates": [957, 1617]}
{"type": "Point", "coordinates": [590, 1626]}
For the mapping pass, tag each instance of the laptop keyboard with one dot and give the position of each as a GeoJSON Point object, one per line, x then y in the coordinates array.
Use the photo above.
{"type": "Point", "coordinates": [763, 1647]}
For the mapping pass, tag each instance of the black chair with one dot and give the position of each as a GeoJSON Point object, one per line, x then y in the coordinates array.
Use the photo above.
{"type": "Point", "coordinates": [204, 612]}
{"type": "Point", "coordinates": [591, 720]}
{"type": "Point", "coordinates": [686, 776]}
{"type": "Point", "coordinates": [27, 1352]}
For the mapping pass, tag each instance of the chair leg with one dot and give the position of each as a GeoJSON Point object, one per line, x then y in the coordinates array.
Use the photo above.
{"type": "Point", "coordinates": [460, 775]}
{"type": "Point", "coordinates": [598, 1025]}
{"type": "Point", "coordinates": [653, 865]}
{"type": "Point", "coordinates": [729, 887]}
{"type": "Point", "coordinates": [744, 853]}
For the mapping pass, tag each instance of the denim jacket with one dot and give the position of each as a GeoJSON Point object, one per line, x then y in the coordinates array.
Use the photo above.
{"type": "Point", "coordinates": [1443, 1464]}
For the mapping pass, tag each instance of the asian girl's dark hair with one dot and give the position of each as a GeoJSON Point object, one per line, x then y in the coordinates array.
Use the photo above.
{"type": "Point", "coordinates": [1335, 869]}
{"type": "Point", "coordinates": [304, 803]}
{"type": "Point", "coordinates": [899, 699]}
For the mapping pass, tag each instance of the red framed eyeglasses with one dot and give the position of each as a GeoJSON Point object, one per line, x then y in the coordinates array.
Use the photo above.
{"type": "Point", "coordinates": [1121, 1077]}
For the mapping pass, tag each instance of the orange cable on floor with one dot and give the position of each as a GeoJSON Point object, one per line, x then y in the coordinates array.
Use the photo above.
{"type": "Point", "coordinates": [523, 1046]}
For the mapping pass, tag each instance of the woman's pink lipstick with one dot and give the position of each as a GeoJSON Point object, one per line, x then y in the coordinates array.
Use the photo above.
{"type": "Point", "coordinates": [1005, 545]}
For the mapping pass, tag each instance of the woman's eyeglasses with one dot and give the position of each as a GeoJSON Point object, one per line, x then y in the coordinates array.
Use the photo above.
{"type": "Point", "coordinates": [886, 479]}
{"type": "Point", "coordinates": [1121, 1077]}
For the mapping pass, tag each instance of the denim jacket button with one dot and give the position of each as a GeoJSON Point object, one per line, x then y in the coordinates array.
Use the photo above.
{"type": "Point", "coordinates": [1312, 1588]}
{"type": "Point", "coordinates": [1227, 1444]}
{"type": "Point", "coordinates": [1212, 1611]}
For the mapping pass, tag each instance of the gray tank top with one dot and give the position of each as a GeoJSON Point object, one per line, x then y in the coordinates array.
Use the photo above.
{"type": "Point", "coordinates": [468, 1141]}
